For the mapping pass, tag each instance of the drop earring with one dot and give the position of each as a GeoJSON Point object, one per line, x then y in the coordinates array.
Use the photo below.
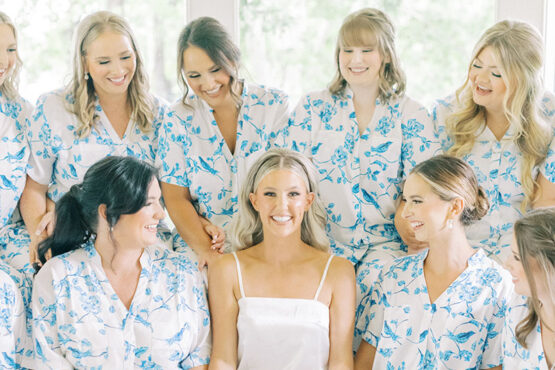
{"type": "Point", "coordinates": [450, 224]}
{"type": "Point", "coordinates": [86, 75]}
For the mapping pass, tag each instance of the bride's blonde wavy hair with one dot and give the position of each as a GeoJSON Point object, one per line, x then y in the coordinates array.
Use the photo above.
{"type": "Point", "coordinates": [9, 87]}
{"type": "Point", "coordinates": [82, 90]}
{"type": "Point", "coordinates": [247, 226]}
{"type": "Point", "coordinates": [518, 51]}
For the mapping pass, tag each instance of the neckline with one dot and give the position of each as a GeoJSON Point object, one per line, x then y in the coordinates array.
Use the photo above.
{"type": "Point", "coordinates": [283, 299]}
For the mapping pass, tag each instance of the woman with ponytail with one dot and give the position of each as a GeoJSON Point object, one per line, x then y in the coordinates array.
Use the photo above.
{"type": "Point", "coordinates": [444, 307]}
{"type": "Point", "coordinates": [529, 332]}
{"type": "Point", "coordinates": [502, 123]}
{"type": "Point", "coordinates": [111, 295]}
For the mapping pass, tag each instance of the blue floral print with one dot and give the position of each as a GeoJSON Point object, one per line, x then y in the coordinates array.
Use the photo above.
{"type": "Point", "coordinates": [80, 322]}
{"type": "Point", "coordinates": [461, 329]}
{"type": "Point", "coordinates": [498, 167]}
{"type": "Point", "coordinates": [16, 344]}
{"type": "Point", "coordinates": [514, 355]}
{"type": "Point", "coordinates": [59, 158]}
{"type": "Point", "coordinates": [193, 154]}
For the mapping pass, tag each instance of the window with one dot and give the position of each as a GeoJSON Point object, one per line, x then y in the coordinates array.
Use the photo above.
{"type": "Point", "coordinates": [46, 28]}
{"type": "Point", "coordinates": [290, 44]}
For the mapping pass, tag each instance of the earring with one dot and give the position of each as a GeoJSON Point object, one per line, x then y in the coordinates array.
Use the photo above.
{"type": "Point", "coordinates": [450, 223]}
{"type": "Point", "coordinates": [111, 229]}
{"type": "Point", "coordinates": [86, 75]}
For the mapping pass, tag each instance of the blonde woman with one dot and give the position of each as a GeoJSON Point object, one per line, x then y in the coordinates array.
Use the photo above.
{"type": "Point", "coordinates": [14, 152]}
{"type": "Point", "coordinates": [282, 301]}
{"type": "Point", "coordinates": [105, 110]}
{"type": "Point", "coordinates": [529, 332]}
{"type": "Point", "coordinates": [444, 307]}
{"type": "Point", "coordinates": [501, 122]}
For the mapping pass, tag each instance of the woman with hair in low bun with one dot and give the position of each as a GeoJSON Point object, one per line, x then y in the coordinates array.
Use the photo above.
{"type": "Point", "coordinates": [445, 306]}
{"type": "Point", "coordinates": [282, 301]}
{"type": "Point", "coordinates": [111, 295]}
{"type": "Point", "coordinates": [529, 332]}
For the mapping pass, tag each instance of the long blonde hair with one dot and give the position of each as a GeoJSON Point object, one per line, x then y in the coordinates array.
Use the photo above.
{"type": "Point", "coordinates": [247, 227]}
{"type": "Point", "coordinates": [363, 27]}
{"type": "Point", "coordinates": [9, 87]}
{"type": "Point", "coordinates": [535, 238]}
{"type": "Point", "coordinates": [82, 90]}
{"type": "Point", "coordinates": [518, 52]}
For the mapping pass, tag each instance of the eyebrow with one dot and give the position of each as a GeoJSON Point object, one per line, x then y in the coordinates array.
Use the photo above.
{"type": "Point", "coordinates": [120, 54]}
{"type": "Point", "coordinates": [210, 68]}
{"type": "Point", "coordinates": [288, 189]}
{"type": "Point", "coordinates": [479, 61]}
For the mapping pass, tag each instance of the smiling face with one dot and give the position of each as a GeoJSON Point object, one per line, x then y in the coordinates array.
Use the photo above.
{"type": "Point", "coordinates": [111, 63]}
{"type": "Point", "coordinates": [208, 80]}
{"type": "Point", "coordinates": [360, 65]}
{"type": "Point", "coordinates": [281, 199]}
{"type": "Point", "coordinates": [488, 87]}
{"type": "Point", "coordinates": [426, 212]}
{"type": "Point", "coordinates": [8, 51]}
{"type": "Point", "coordinates": [138, 230]}
{"type": "Point", "coordinates": [515, 267]}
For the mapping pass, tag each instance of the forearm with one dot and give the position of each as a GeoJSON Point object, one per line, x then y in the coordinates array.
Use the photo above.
{"type": "Point", "coordinates": [33, 204]}
{"type": "Point", "coordinates": [185, 217]}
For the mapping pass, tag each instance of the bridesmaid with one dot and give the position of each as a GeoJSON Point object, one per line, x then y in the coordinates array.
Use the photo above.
{"type": "Point", "coordinates": [529, 332]}
{"type": "Point", "coordinates": [111, 295]}
{"type": "Point", "coordinates": [106, 109]}
{"type": "Point", "coordinates": [211, 137]}
{"type": "Point", "coordinates": [502, 123]}
{"type": "Point", "coordinates": [364, 135]}
{"type": "Point", "coordinates": [16, 347]}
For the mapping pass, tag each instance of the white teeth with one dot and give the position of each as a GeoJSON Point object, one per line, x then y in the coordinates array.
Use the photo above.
{"type": "Point", "coordinates": [151, 227]}
{"type": "Point", "coordinates": [117, 80]}
{"type": "Point", "coordinates": [213, 91]}
{"type": "Point", "coordinates": [281, 218]}
{"type": "Point", "coordinates": [416, 224]}
{"type": "Point", "coordinates": [358, 70]}
{"type": "Point", "coordinates": [483, 88]}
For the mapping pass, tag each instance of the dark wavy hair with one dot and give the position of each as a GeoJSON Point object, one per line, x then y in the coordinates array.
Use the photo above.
{"type": "Point", "coordinates": [209, 35]}
{"type": "Point", "coordinates": [120, 183]}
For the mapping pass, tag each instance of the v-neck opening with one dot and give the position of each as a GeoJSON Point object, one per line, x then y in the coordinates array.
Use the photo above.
{"type": "Point", "coordinates": [208, 112]}
{"type": "Point", "coordinates": [98, 261]}
{"type": "Point", "coordinates": [461, 276]}
{"type": "Point", "coordinates": [110, 128]}
{"type": "Point", "coordinates": [351, 102]}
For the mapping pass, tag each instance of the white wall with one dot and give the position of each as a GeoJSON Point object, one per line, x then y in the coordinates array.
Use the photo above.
{"type": "Point", "coordinates": [537, 13]}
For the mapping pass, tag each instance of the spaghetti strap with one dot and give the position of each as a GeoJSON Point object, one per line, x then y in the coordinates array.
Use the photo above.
{"type": "Point", "coordinates": [323, 278]}
{"type": "Point", "coordinates": [239, 276]}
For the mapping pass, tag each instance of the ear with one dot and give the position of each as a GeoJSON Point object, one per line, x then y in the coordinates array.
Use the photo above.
{"type": "Point", "coordinates": [309, 200]}
{"type": "Point", "coordinates": [456, 208]}
{"type": "Point", "coordinates": [102, 211]}
{"type": "Point", "coordinates": [252, 198]}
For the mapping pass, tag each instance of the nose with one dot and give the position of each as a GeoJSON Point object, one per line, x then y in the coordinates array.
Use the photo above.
{"type": "Point", "coordinates": [3, 58]}
{"type": "Point", "coordinates": [159, 213]}
{"type": "Point", "coordinates": [508, 263]}
{"type": "Point", "coordinates": [117, 67]}
{"type": "Point", "coordinates": [357, 56]}
{"type": "Point", "coordinates": [406, 210]}
{"type": "Point", "coordinates": [281, 201]}
{"type": "Point", "coordinates": [207, 81]}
